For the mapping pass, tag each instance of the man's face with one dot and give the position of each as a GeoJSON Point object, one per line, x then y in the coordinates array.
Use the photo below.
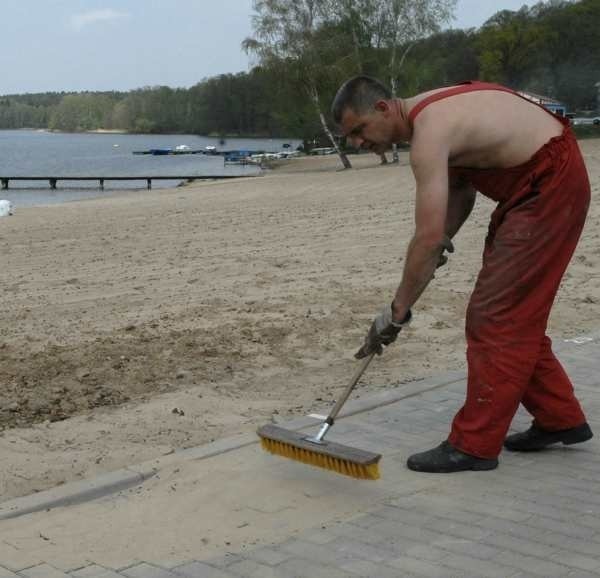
{"type": "Point", "coordinates": [370, 131]}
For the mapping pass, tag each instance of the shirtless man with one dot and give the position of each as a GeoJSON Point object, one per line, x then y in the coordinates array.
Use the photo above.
{"type": "Point", "coordinates": [485, 137]}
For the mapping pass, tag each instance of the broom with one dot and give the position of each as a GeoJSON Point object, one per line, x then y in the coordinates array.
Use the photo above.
{"type": "Point", "coordinates": [314, 450]}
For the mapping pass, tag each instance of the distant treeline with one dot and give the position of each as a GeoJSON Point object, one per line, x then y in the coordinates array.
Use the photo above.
{"type": "Point", "coordinates": [551, 48]}
{"type": "Point", "coordinates": [227, 104]}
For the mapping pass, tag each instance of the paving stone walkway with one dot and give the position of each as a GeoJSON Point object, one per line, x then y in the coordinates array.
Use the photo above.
{"type": "Point", "coordinates": [537, 515]}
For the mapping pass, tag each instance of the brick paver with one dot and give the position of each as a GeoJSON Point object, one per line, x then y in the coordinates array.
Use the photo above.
{"type": "Point", "coordinates": [147, 571]}
{"type": "Point", "coordinates": [42, 571]}
{"type": "Point", "coordinates": [95, 571]}
{"type": "Point", "coordinates": [201, 570]}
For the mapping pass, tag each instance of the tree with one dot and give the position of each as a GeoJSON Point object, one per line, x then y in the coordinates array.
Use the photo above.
{"type": "Point", "coordinates": [359, 16]}
{"type": "Point", "coordinates": [510, 47]}
{"type": "Point", "coordinates": [80, 112]}
{"type": "Point", "coordinates": [571, 50]}
{"type": "Point", "coordinates": [390, 25]}
{"type": "Point", "coordinates": [402, 23]}
{"type": "Point", "coordinates": [447, 58]}
{"type": "Point", "coordinates": [286, 36]}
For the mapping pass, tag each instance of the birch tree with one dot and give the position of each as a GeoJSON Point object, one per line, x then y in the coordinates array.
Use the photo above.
{"type": "Point", "coordinates": [287, 32]}
{"type": "Point", "coordinates": [392, 25]}
{"type": "Point", "coordinates": [361, 16]}
{"type": "Point", "coordinates": [401, 24]}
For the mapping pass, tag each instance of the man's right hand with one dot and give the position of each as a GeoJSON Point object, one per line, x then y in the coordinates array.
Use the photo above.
{"type": "Point", "coordinates": [383, 332]}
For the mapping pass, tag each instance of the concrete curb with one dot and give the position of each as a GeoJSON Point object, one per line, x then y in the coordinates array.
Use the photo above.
{"type": "Point", "coordinates": [119, 480]}
{"type": "Point", "coordinates": [74, 492]}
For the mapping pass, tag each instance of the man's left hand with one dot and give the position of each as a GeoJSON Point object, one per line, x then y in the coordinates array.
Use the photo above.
{"type": "Point", "coordinates": [383, 331]}
{"type": "Point", "coordinates": [446, 246]}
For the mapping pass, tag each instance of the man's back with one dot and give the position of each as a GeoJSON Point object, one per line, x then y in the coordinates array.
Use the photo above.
{"type": "Point", "coordinates": [483, 126]}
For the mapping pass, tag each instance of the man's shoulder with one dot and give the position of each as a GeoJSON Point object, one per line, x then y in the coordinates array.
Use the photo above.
{"type": "Point", "coordinates": [432, 125]}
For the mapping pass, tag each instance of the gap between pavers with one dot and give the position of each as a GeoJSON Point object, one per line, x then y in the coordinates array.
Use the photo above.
{"type": "Point", "coordinates": [112, 482]}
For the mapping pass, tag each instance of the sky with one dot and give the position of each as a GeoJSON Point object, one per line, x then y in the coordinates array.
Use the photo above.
{"type": "Point", "coordinates": [76, 45]}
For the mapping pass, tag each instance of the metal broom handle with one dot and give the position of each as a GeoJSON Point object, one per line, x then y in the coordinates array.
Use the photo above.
{"type": "Point", "coordinates": [342, 400]}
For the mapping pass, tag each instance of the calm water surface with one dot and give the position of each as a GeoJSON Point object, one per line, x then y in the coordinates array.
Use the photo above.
{"type": "Point", "coordinates": [36, 153]}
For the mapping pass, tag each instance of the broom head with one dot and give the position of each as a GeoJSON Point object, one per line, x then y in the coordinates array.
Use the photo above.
{"type": "Point", "coordinates": [329, 455]}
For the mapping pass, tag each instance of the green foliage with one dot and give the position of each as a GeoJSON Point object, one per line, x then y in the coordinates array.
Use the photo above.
{"type": "Point", "coordinates": [552, 48]}
{"type": "Point", "coordinates": [306, 48]}
{"type": "Point", "coordinates": [81, 112]}
{"type": "Point", "coordinates": [573, 51]}
{"type": "Point", "coordinates": [512, 46]}
{"type": "Point", "coordinates": [16, 114]}
{"type": "Point", "coordinates": [444, 59]}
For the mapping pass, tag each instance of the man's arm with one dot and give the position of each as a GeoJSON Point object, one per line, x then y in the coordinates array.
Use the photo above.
{"type": "Point", "coordinates": [429, 161]}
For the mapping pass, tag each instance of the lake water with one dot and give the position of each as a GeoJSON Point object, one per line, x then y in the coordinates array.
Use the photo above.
{"type": "Point", "coordinates": [36, 153]}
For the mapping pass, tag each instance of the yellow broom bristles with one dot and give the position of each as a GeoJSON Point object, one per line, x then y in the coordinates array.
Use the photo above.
{"type": "Point", "coordinates": [341, 466]}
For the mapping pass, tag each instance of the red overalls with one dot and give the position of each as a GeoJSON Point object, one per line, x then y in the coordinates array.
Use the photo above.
{"type": "Point", "coordinates": [542, 205]}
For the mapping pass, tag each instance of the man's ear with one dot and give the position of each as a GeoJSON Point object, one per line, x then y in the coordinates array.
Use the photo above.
{"type": "Point", "coordinates": [382, 106]}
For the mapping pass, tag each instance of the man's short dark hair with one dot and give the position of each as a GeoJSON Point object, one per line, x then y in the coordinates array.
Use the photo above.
{"type": "Point", "coordinates": [359, 94]}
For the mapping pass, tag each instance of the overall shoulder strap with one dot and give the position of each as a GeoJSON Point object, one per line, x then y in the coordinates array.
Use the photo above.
{"type": "Point", "coordinates": [471, 86]}
{"type": "Point", "coordinates": [467, 86]}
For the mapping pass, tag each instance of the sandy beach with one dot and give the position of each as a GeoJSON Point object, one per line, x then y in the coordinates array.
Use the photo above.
{"type": "Point", "coordinates": [136, 325]}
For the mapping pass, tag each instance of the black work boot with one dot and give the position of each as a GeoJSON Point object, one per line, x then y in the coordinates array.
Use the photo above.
{"type": "Point", "coordinates": [446, 459]}
{"type": "Point", "coordinates": [536, 438]}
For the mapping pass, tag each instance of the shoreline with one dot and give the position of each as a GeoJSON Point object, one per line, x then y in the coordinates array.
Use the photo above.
{"type": "Point", "coordinates": [118, 131]}
{"type": "Point", "coordinates": [104, 131]}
